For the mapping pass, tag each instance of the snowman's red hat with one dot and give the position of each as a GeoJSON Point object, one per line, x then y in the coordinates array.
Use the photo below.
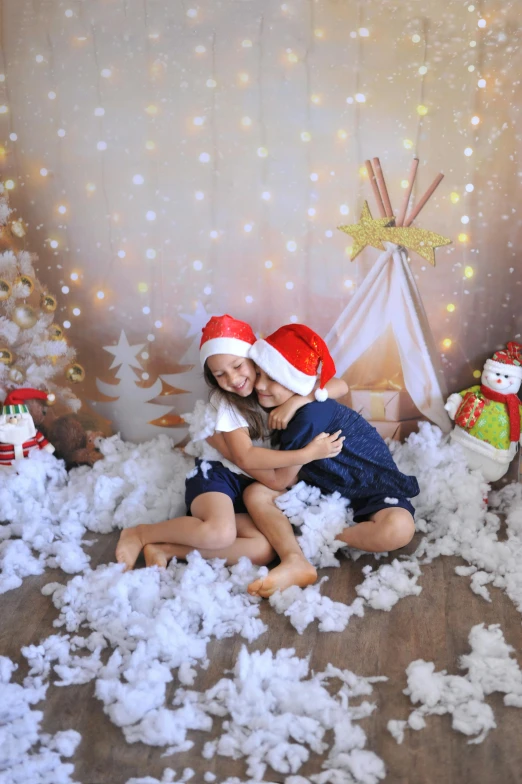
{"type": "Point", "coordinates": [508, 361]}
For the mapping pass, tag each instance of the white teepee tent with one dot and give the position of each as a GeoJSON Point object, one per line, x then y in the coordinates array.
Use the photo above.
{"type": "Point", "coordinates": [389, 297]}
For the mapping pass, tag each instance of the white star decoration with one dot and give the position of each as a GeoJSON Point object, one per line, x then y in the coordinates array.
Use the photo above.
{"type": "Point", "coordinates": [196, 320]}
{"type": "Point", "coordinates": [125, 354]}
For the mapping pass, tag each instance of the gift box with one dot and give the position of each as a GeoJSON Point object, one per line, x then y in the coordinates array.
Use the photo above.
{"type": "Point", "coordinates": [384, 404]}
{"type": "Point", "coordinates": [399, 431]}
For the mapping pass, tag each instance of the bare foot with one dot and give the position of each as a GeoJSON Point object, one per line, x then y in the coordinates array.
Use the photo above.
{"type": "Point", "coordinates": [155, 555]}
{"type": "Point", "coordinates": [293, 570]}
{"type": "Point", "coordinates": [129, 547]}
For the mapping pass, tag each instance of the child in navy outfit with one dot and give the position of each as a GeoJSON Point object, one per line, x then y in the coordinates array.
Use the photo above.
{"type": "Point", "coordinates": [363, 471]}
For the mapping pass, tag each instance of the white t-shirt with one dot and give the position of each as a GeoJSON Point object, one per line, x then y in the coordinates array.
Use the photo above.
{"type": "Point", "coordinates": [217, 416]}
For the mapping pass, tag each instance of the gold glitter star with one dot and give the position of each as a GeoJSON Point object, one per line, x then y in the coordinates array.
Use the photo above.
{"type": "Point", "coordinates": [369, 231]}
{"type": "Point", "coordinates": [421, 241]}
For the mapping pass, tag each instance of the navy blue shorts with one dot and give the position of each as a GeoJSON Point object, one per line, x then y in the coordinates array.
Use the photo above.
{"type": "Point", "coordinates": [217, 478]}
{"type": "Point", "coordinates": [364, 507]}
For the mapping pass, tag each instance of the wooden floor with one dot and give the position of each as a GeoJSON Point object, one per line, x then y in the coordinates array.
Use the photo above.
{"type": "Point", "coordinates": [433, 626]}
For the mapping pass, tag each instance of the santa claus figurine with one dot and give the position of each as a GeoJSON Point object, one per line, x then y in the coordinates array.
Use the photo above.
{"type": "Point", "coordinates": [18, 435]}
{"type": "Point", "coordinates": [487, 417]}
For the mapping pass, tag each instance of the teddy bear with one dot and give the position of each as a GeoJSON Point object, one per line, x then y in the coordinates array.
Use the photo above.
{"type": "Point", "coordinates": [72, 443]}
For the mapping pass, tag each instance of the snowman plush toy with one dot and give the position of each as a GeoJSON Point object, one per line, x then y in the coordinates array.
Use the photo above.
{"type": "Point", "coordinates": [487, 416]}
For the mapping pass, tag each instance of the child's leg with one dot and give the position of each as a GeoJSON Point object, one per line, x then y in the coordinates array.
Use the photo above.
{"type": "Point", "coordinates": [212, 527]}
{"type": "Point", "coordinates": [250, 542]}
{"type": "Point", "coordinates": [294, 569]}
{"type": "Point", "coordinates": [385, 530]}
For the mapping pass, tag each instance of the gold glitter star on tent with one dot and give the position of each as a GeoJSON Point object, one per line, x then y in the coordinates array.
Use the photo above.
{"type": "Point", "coordinates": [421, 241]}
{"type": "Point", "coordinates": [369, 231]}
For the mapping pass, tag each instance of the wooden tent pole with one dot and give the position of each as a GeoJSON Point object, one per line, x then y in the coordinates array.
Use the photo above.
{"type": "Point", "coordinates": [382, 187]}
{"type": "Point", "coordinates": [411, 179]}
{"type": "Point", "coordinates": [413, 214]}
{"type": "Point", "coordinates": [375, 188]}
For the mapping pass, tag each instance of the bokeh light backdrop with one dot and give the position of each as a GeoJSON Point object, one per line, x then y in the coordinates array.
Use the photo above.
{"type": "Point", "coordinates": [177, 159]}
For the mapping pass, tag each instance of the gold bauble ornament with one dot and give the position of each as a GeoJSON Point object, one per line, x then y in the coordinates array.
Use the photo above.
{"type": "Point", "coordinates": [48, 303]}
{"type": "Point", "coordinates": [75, 373]}
{"type": "Point", "coordinates": [24, 316]}
{"type": "Point", "coordinates": [5, 290]}
{"type": "Point", "coordinates": [16, 375]}
{"type": "Point", "coordinates": [55, 332]}
{"type": "Point", "coordinates": [18, 228]}
{"type": "Point", "coordinates": [26, 281]}
{"type": "Point", "coordinates": [6, 356]}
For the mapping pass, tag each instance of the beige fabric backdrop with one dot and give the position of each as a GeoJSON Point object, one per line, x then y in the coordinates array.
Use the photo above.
{"type": "Point", "coordinates": [224, 110]}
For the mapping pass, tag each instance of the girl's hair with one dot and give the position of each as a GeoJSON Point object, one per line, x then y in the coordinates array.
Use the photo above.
{"type": "Point", "coordinates": [247, 406]}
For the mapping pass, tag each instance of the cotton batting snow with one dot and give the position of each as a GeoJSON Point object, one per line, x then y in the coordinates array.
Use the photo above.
{"type": "Point", "coordinates": [169, 777]}
{"type": "Point", "coordinates": [279, 714]}
{"type": "Point", "coordinates": [491, 668]}
{"type": "Point", "coordinates": [319, 519]}
{"type": "Point", "coordinates": [48, 511]}
{"type": "Point", "coordinates": [302, 606]}
{"type": "Point", "coordinates": [27, 754]}
{"type": "Point", "coordinates": [155, 625]}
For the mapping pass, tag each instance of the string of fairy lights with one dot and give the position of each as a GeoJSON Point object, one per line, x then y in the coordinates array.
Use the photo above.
{"type": "Point", "coordinates": [472, 122]}
{"type": "Point", "coordinates": [203, 50]}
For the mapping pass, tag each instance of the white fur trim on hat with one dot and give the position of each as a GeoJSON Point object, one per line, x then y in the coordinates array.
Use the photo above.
{"type": "Point", "coordinates": [503, 367]}
{"type": "Point", "coordinates": [280, 369]}
{"type": "Point", "coordinates": [239, 348]}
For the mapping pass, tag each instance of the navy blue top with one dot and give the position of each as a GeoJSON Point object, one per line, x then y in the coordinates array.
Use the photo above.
{"type": "Point", "coordinates": [363, 468]}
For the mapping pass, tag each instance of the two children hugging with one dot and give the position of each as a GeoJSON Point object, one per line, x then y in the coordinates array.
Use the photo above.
{"type": "Point", "coordinates": [231, 509]}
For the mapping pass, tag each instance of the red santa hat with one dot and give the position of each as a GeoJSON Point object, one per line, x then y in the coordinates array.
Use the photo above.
{"type": "Point", "coordinates": [508, 361]}
{"type": "Point", "coordinates": [291, 356]}
{"type": "Point", "coordinates": [15, 400]}
{"type": "Point", "coordinates": [225, 335]}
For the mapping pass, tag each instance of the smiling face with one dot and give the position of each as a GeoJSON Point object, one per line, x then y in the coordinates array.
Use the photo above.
{"type": "Point", "coordinates": [233, 374]}
{"type": "Point", "coordinates": [505, 383]}
{"type": "Point", "coordinates": [269, 393]}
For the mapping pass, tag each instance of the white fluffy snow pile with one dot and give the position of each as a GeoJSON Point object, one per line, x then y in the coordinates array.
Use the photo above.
{"type": "Point", "coordinates": [451, 511]}
{"type": "Point", "coordinates": [26, 754]}
{"type": "Point", "coordinates": [320, 518]}
{"type": "Point", "coordinates": [303, 606]}
{"type": "Point", "coordinates": [155, 622]}
{"type": "Point", "coordinates": [48, 511]}
{"type": "Point", "coordinates": [381, 589]}
{"type": "Point", "coordinates": [278, 714]}
{"type": "Point", "coordinates": [490, 669]}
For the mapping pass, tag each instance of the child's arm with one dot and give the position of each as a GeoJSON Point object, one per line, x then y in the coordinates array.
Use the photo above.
{"type": "Point", "coordinates": [274, 478]}
{"type": "Point", "coordinates": [249, 457]}
{"type": "Point", "coordinates": [281, 416]}
{"type": "Point", "coordinates": [218, 442]}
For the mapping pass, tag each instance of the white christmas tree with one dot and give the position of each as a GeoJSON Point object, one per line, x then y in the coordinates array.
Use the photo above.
{"type": "Point", "coordinates": [193, 378]}
{"type": "Point", "coordinates": [33, 349]}
{"type": "Point", "coordinates": [131, 412]}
